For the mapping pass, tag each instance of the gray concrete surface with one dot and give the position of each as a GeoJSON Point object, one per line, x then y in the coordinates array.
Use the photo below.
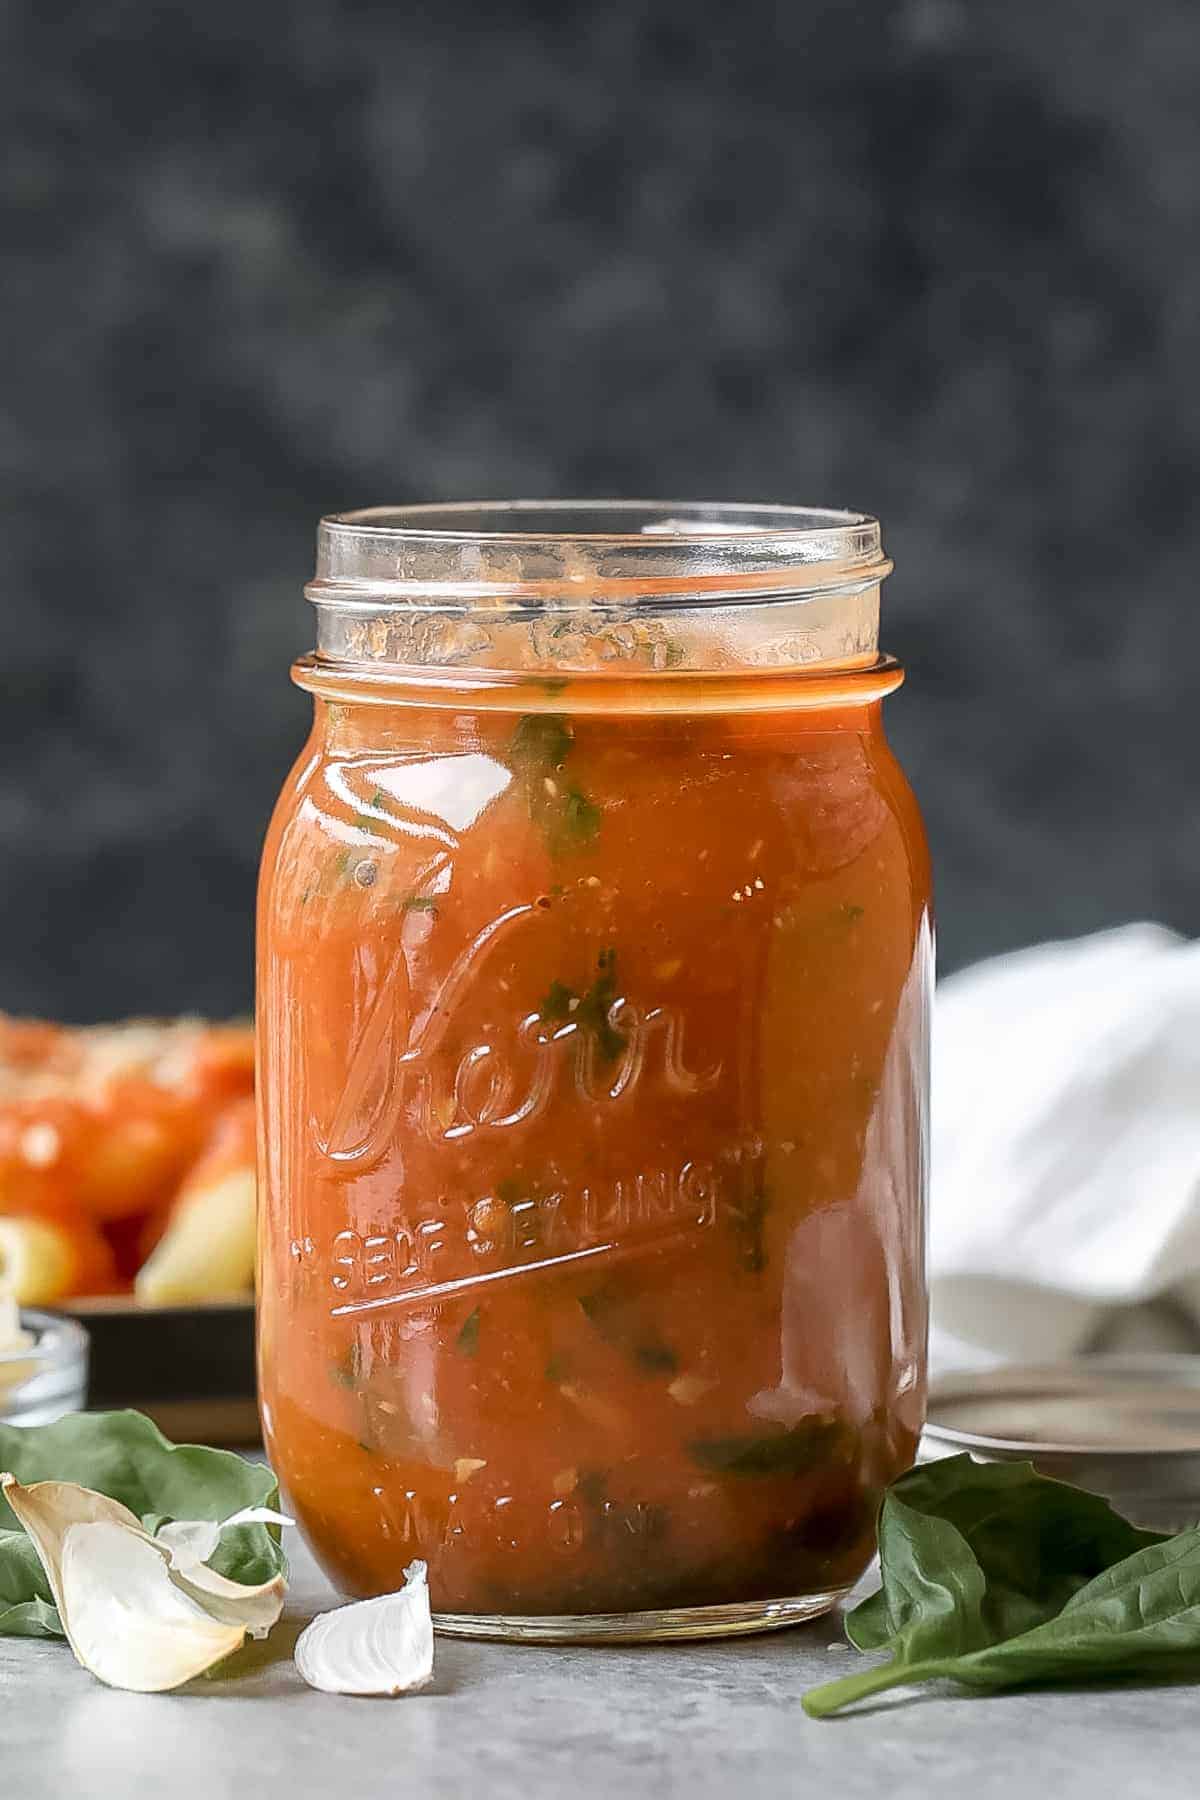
{"type": "Point", "coordinates": [705, 1721]}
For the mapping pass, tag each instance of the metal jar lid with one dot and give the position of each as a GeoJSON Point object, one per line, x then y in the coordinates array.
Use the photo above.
{"type": "Point", "coordinates": [1126, 1427]}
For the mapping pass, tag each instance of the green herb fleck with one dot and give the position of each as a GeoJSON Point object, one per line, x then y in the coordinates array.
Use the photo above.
{"type": "Point", "coordinates": [556, 1007]}
{"type": "Point", "coordinates": [674, 655]}
{"type": "Point", "coordinates": [620, 1321]}
{"type": "Point", "coordinates": [852, 913]}
{"type": "Point", "coordinates": [804, 1446]}
{"type": "Point", "coordinates": [538, 752]}
{"type": "Point", "coordinates": [590, 1010]}
{"type": "Point", "coordinates": [551, 684]}
{"type": "Point", "coordinates": [468, 1338]}
{"type": "Point", "coordinates": [419, 903]}
{"type": "Point", "coordinates": [558, 1368]}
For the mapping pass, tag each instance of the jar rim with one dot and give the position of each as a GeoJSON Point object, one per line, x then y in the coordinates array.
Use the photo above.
{"type": "Point", "coordinates": [681, 522]}
{"type": "Point", "coordinates": [573, 585]}
{"type": "Point", "coordinates": [619, 551]}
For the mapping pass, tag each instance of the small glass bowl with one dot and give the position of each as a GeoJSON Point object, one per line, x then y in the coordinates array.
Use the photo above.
{"type": "Point", "coordinates": [47, 1378]}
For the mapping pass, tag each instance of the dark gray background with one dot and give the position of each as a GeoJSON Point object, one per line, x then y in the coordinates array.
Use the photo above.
{"type": "Point", "coordinates": [937, 259]}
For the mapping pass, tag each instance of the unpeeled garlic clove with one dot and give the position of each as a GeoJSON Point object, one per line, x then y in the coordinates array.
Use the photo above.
{"type": "Point", "coordinates": [382, 1646]}
{"type": "Point", "coordinates": [131, 1616]}
{"type": "Point", "coordinates": [126, 1620]}
{"type": "Point", "coordinates": [48, 1509]}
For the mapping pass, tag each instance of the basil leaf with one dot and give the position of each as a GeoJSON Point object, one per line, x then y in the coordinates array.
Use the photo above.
{"type": "Point", "coordinates": [27, 1608]}
{"type": "Point", "coordinates": [124, 1455]}
{"type": "Point", "coordinates": [31, 1618]}
{"type": "Point", "coordinates": [987, 1568]}
{"type": "Point", "coordinates": [1036, 1541]}
{"type": "Point", "coordinates": [1141, 1617]}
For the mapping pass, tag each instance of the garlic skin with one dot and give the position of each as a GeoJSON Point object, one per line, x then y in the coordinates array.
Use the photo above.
{"type": "Point", "coordinates": [382, 1646]}
{"type": "Point", "coordinates": [193, 1541]}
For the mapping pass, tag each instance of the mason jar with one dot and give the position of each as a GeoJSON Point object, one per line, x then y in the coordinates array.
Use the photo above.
{"type": "Point", "coordinates": [594, 967]}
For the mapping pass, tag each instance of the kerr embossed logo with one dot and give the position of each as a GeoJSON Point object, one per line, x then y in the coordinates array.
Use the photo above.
{"type": "Point", "coordinates": [604, 1046]}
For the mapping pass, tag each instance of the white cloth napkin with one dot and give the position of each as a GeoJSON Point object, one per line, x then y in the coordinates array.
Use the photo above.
{"type": "Point", "coordinates": [1066, 1151]}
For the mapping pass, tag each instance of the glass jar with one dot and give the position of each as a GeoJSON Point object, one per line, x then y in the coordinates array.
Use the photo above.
{"type": "Point", "coordinates": [594, 965]}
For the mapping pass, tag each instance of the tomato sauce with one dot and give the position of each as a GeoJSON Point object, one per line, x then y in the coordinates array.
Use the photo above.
{"type": "Point", "coordinates": [592, 1034]}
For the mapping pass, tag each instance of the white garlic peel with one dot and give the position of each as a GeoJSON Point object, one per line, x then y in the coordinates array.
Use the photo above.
{"type": "Point", "coordinates": [132, 1617]}
{"type": "Point", "coordinates": [382, 1646]}
{"type": "Point", "coordinates": [192, 1541]}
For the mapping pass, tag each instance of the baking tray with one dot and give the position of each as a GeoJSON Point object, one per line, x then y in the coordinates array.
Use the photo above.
{"type": "Point", "coordinates": [191, 1368]}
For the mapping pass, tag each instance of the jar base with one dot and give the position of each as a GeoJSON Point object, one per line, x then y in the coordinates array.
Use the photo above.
{"type": "Point", "coordinates": [671, 1624]}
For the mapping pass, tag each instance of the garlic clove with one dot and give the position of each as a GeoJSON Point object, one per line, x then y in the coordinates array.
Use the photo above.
{"type": "Point", "coordinates": [382, 1646]}
{"type": "Point", "coordinates": [170, 1611]}
{"type": "Point", "coordinates": [193, 1541]}
{"type": "Point", "coordinates": [127, 1621]}
{"type": "Point", "coordinates": [48, 1509]}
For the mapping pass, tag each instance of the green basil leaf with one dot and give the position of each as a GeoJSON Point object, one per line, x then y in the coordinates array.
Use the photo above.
{"type": "Point", "coordinates": [935, 1588]}
{"type": "Point", "coordinates": [1141, 1617]}
{"type": "Point", "coordinates": [26, 1606]}
{"type": "Point", "coordinates": [1037, 1541]}
{"type": "Point", "coordinates": [984, 1567]}
{"type": "Point", "coordinates": [31, 1618]}
{"type": "Point", "coordinates": [1142, 1613]}
{"type": "Point", "coordinates": [124, 1455]}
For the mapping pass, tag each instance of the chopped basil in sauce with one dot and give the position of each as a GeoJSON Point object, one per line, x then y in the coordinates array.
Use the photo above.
{"type": "Point", "coordinates": [808, 1445]}
{"type": "Point", "coordinates": [620, 1321]}
{"type": "Point", "coordinates": [590, 1010]}
{"type": "Point", "coordinates": [538, 753]}
{"type": "Point", "coordinates": [468, 1338]}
